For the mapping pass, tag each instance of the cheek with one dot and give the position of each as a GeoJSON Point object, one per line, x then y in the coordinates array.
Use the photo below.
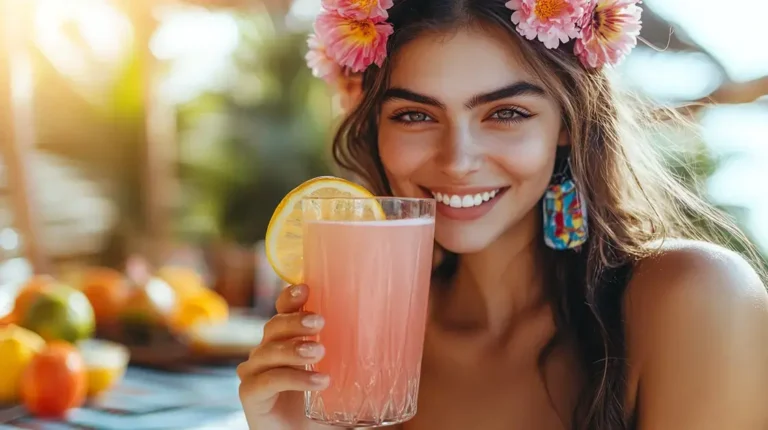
{"type": "Point", "coordinates": [402, 154]}
{"type": "Point", "coordinates": [530, 156]}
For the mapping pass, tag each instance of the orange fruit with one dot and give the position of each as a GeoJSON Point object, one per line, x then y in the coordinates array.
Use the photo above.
{"type": "Point", "coordinates": [7, 319]}
{"type": "Point", "coordinates": [107, 290]}
{"type": "Point", "coordinates": [155, 299]}
{"type": "Point", "coordinates": [284, 238]}
{"type": "Point", "coordinates": [29, 293]}
{"type": "Point", "coordinates": [149, 306]}
{"type": "Point", "coordinates": [185, 281]}
{"type": "Point", "coordinates": [205, 307]}
{"type": "Point", "coordinates": [55, 381]}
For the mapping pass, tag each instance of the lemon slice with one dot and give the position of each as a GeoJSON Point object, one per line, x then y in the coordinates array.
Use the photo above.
{"type": "Point", "coordinates": [284, 239]}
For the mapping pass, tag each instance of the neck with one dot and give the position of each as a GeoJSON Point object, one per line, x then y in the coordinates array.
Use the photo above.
{"type": "Point", "coordinates": [496, 286]}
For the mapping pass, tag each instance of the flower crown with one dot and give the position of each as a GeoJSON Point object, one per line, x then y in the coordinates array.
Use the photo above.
{"type": "Point", "coordinates": [350, 35]}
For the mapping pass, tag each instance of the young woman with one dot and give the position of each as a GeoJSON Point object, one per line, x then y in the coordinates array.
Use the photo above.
{"type": "Point", "coordinates": [504, 112]}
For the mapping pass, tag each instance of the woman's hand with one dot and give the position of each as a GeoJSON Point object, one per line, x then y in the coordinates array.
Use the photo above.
{"type": "Point", "coordinates": [273, 378]}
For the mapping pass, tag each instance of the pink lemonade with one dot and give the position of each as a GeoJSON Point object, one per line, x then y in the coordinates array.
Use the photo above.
{"type": "Point", "coordinates": [370, 281]}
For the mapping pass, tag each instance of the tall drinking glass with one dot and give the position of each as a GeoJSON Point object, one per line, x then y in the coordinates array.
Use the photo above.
{"type": "Point", "coordinates": [367, 262]}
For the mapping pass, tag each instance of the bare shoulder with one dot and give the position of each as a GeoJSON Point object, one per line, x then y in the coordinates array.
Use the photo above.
{"type": "Point", "coordinates": [697, 338]}
{"type": "Point", "coordinates": [688, 272]}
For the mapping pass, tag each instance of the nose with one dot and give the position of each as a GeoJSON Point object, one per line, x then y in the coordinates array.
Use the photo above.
{"type": "Point", "coordinates": [459, 156]}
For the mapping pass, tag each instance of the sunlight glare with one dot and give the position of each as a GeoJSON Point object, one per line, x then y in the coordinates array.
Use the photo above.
{"type": "Point", "coordinates": [671, 76]}
{"type": "Point", "coordinates": [734, 33]}
{"type": "Point", "coordinates": [302, 13]}
{"type": "Point", "coordinates": [198, 45]}
{"type": "Point", "coordinates": [740, 130]}
{"type": "Point", "coordinates": [86, 40]}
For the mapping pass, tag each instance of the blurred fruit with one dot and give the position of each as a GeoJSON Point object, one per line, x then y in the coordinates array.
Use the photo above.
{"type": "Point", "coordinates": [55, 381]}
{"type": "Point", "coordinates": [149, 306]}
{"type": "Point", "coordinates": [29, 293]}
{"type": "Point", "coordinates": [235, 337]}
{"type": "Point", "coordinates": [17, 347]}
{"type": "Point", "coordinates": [107, 290]}
{"type": "Point", "coordinates": [205, 307]}
{"type": "Point", "coordinates": [60, 313]}
{"type": "Point", "coordinates": [185, 281]}
{"type": "Point", "coordinates": [70, 273]}
{"type": "Point", "coordinates": [105, 364]}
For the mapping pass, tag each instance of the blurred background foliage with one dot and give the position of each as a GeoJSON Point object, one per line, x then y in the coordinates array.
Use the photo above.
{"type": "Point", "coordinates": [242, 150]}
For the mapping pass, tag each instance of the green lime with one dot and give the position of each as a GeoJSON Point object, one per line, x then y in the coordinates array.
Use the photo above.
{"type": "Point", "coordinates": [61, 313]}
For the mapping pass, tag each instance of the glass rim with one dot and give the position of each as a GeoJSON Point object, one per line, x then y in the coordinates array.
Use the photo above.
{"type": "Point", "coordinates": [385, 198]}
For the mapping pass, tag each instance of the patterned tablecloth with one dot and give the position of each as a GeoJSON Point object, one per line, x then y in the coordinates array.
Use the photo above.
{"type": "Point", "coordinates": [151, 400]}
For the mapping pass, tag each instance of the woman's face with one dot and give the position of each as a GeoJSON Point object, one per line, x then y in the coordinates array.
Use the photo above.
{"type": "Point", "coordinates": [465, 122]}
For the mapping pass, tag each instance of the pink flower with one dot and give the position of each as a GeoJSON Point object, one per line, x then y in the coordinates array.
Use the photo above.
{"type": "Point", "coordinates": [359, 9]}
{"type": "Point", "coordinates": [609, 32]}
{"type": "Point", "coordinates": [353, 44]}
{"type": "Point", "coordinates": [552, 21]}
{"type": "Point", "coordinates": [322, 65]}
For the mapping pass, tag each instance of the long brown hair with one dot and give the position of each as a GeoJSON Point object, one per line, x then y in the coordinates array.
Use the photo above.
{"type": "Point", "coordinates": [633, 200]}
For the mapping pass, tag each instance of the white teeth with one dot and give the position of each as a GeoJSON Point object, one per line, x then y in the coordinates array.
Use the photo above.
{"type": "Point", "coordinates": [465, 201]}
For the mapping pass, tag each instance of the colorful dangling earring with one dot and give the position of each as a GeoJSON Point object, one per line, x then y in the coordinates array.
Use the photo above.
{"type": "Point", "coordinates": [565, 214]}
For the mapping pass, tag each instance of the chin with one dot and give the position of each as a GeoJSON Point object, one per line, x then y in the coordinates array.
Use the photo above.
{"type": "Point", "coordinates": [463, 240]}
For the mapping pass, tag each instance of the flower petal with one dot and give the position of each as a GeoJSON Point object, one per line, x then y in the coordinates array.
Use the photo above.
{"type": "Point", "coordinates": [359, 9]}
{"type": "Point", "coordinates": [552, 21]}
{"type": "Point", "coordinates": [609, 33]}
{"type": "Point", "coordinates": [353, 44]}
{"type": "Point", "coordinates": [323, 66]}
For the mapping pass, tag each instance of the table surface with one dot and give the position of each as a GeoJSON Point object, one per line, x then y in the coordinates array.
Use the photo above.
{"type": "Point", "coordinates": [205, 399]}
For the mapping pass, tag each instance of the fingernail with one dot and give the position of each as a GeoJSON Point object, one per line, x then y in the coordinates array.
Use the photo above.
{"type": "Point", "coordinates": [313, 321]}
{"type": "Point", "coordinates": [296, 291]}
{"type": "Point", "coordinates": [320, 380]}
{"type": "Point", "coordinates": [310, 350]}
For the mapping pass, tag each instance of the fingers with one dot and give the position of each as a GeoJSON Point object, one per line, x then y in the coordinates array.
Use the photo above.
{"type": "Point", "coordinates": [292, 299]}
{"type": "Point", "coordinates": [294, 352]}
{"type": "Point", "coordinates": [275, 365]}
{"type": "Point", "coordinates": [265, 386]}
{"type": "Point", "coordinates": [287, 326]}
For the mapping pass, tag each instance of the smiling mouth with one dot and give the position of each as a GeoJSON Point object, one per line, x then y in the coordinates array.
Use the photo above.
{"type": "Point", "coordinates": [467, 200]}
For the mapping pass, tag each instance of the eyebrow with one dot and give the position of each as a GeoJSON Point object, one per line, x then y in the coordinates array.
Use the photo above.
{"type": "Point", "coordinates": [512, 90]}
{"type": "Point", "coordinates": [516, 89]}
{"type": "Point", "coordinates": [396, 93]}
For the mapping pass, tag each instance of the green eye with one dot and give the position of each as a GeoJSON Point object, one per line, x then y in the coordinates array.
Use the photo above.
{"type": "Point", "coordinates": [505, 114]}
{"type": "Point", "coordinates": [412, 117]}
{"type": "Point", "coordinates": [509, 115]}
{"type": "Point", "coordinates": [415, 117]}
